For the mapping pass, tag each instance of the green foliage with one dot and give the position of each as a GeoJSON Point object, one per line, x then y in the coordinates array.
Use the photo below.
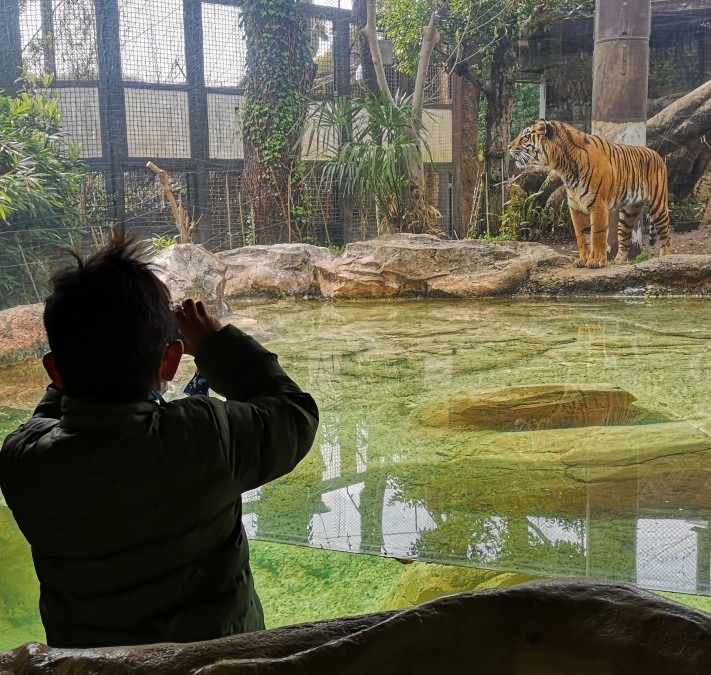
{"type": "Point", "coordinates": [40, 189]}
{"type": "Point", "coordinates": [640, 258]}
{"type": "Point", "coordinates": [272, 118]}
{"type": "Point", "coordinates": [335, 250]}
{"type": "Point", "coordinates": [38, 173]}
{"type": "Point", "coordinates": [160, 242]}
{"type": "Point", "coordinates": [471, 27]}
{"type": "Point", "coordinates": [526, 106]}
{"type": "Point", "coordinates": [501, 236]}
{"type": "Point", "coordinates": [368, 148]}
{"type": "Point", "coordinates": [525, 218]}
{"type": "Point", "coordinates": [686, 208]}
{"type": "Point", "coordinates": [525, 109]}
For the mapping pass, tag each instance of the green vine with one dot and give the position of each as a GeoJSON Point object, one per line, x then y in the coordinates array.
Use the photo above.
{"type": "Point", "coordinates": [279, 67]}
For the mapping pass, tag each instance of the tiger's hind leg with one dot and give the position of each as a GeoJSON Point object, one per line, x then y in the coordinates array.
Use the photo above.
{"type": "Point", "coordinates": [659, 207]}
{"type": "Point", "coordinates": [625, 227]}
{"type": "Point", "coordinates": [660, 224]}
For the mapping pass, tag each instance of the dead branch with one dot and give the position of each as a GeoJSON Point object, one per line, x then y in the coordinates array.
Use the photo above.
{"type": "Point", "coordinates": [183, 221]}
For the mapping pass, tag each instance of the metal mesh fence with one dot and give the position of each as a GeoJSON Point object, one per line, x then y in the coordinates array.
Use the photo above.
{"type": "Point", "coordinates": [162, 80]}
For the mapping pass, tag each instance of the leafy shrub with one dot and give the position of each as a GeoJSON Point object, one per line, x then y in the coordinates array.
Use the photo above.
{"type": "Point", "coordinates": [40, 191]}
{"type": "Point", "coordinates": [525, 218]}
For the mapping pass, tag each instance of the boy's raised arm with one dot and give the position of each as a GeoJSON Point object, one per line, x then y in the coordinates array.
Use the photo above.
{"type": "Point", "coordinates": [272, 422]}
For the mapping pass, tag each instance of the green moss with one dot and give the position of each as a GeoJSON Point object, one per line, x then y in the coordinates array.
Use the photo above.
{"type": "Point", "coordinates": [298, 584]}
{"type": "Point", "coordinates": [19, 589]}
{"type": "Point", "coordinates": [700, 602]}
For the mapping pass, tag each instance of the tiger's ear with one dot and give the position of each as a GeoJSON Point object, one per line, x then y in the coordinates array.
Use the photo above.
{"type": "Point", "coordinates": [542, 127]}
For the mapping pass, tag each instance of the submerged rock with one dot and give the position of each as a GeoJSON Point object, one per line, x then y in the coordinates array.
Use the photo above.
{"type": "Point", "coordinates": [526, 408]}
{"type": "Point", "coordinates": [554, 627]}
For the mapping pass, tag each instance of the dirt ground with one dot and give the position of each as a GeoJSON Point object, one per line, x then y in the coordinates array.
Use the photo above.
{"type": "Point", "coordinates": [694, 242]}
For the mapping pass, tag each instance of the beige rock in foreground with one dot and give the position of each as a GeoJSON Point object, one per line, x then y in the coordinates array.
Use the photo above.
{"type": "Point", "coordinates": [420, 264]}
{"type": "Point", "coordinates": [555, 627]}
{"type": "Point", "coordinates": [22, 333]}
{"type": "Point", "coordinates": [278, 270]}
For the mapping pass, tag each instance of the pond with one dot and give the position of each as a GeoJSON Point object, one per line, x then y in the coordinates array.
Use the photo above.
{"type": "Point", "coordinates": [393, 475]}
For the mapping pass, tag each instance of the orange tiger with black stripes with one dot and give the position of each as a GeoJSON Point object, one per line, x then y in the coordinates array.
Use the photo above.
{"type": "Point", "coordinates": [599, 176]}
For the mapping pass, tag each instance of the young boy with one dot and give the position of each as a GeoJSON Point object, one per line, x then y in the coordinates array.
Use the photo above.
{"type": "Point", "coordinates": [132, 506]}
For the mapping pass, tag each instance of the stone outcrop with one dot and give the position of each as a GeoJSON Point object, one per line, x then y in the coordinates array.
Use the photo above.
{"type": "Point", "coordinates": [423, 265]}
{"type": "Point", "coordinates": [669, 275]}
{"type": "Point", "coordinates": [279, 270]}
{"type": "Point", "coordinates": [22, 333]}
{"type": "Point", "coordinates": [398, 265]}
{"type": "Point", "coordinates": [191, 271]}
{"type": "Point", "coordinates": [526, 408]}
{"type": "Point", "coordinates": [553, 627]}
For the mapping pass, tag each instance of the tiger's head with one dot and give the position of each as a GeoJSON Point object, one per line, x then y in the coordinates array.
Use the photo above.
{"type": "Point", "coordinates": [529, 147]}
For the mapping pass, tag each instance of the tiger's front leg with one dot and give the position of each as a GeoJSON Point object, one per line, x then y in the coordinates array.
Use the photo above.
{"type": "Point", "coordinates": [581, 224]}
{"type": "Point", "coordinates": [599, 218]}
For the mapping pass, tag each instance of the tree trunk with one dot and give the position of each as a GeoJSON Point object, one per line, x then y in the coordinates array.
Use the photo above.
{"type": "Point", "coordinates": [468, 174]}
{"type": "Point", "coordinates": [498, 128]}
{"type": "Point", "coordinates": [677, 134]}
{"type": "Point", "coordinates": [360, 18]}
{"type": "Point", "coordinates": [418, 216]}
{"type": "Point", "coordinates": [273, 117]}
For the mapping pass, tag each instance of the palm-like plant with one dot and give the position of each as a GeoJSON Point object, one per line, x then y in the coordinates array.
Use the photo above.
{"type": "Point", "coordinates": [365, 151]}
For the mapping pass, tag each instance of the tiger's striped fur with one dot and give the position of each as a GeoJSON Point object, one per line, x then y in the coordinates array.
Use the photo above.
{"type": "Point", "coordinates": [599, 176]}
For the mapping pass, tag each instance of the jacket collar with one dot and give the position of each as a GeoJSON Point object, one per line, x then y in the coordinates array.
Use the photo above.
{"type": "Point", "coordinates": [86, 414]}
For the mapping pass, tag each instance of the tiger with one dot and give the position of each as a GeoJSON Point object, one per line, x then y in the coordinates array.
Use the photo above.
{"type": "Point", "coordinates": [599, 176]}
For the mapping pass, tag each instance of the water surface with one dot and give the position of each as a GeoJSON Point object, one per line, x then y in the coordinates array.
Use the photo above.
{"type": "Point", "coordinates": [382, 480]}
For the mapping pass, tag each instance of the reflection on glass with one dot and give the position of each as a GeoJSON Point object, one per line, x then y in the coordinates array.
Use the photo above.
{"type": "Point", "coordinates": [550, 438]}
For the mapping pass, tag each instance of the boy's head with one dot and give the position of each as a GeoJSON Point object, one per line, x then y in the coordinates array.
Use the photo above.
{"type": "Point", "coordinates": [110, 326]}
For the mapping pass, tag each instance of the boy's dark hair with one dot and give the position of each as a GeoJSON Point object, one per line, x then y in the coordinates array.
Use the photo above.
{"type": "Point", "coordinates": [108, 321]}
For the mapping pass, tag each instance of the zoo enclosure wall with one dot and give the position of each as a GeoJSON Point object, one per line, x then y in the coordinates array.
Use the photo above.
{"type": "Point", "coordinates": [161, 80]}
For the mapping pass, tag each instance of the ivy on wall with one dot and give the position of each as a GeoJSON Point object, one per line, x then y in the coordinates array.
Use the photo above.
{"type": "Point", "coordinates": [279, 70]}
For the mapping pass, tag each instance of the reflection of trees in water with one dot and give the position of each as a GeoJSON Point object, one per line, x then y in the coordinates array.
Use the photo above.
{"type": "Point", "coordinates": [490, 540]}
{"type": "Point", "coordinates": [488, 508]}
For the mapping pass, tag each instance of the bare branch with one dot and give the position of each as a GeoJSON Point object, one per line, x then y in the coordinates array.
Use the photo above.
{"type": "Point", "coordinates": [371, 34]}
{"type": "Point", "coordinates": [430, 37]}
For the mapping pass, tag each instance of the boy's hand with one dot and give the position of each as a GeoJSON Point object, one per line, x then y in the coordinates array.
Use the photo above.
{"type": "Point", "coordinates": [195, 324]}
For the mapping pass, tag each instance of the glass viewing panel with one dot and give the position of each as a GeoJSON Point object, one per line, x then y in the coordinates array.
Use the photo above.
{"type": "Point", "coordinates": [590, 457]}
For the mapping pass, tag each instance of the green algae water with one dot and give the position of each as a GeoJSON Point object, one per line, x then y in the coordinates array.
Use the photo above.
{"type": "Point", "coordinates": [394, 473]}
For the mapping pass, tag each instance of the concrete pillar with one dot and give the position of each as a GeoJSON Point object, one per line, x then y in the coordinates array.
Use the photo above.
{"type": "Point", "coordinates": [10, 45]}
{"type": "Point", "coordinates": [620, 76]}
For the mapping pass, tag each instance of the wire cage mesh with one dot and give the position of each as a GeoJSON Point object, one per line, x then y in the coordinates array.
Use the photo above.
{"type": "Point", "coordinates": [163, 80]}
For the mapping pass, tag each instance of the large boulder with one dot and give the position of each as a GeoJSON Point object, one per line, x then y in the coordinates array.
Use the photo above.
{"type": "Point", "coordinates": [278, 270]}
{"type": "Point", "coordinates": [191, 271]}
{"type": "Point", "coordinates": [410, 264]}
{"type": "Point", "coordinates": [22, 333]}
{"type": "Point", "coordinates": [554, 627]}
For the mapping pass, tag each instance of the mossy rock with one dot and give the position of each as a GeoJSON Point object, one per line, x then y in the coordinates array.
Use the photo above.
{"type": "Point", "coordinates": [421, 582]}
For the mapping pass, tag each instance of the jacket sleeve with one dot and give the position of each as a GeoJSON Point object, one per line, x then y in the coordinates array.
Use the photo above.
{"type": "Point", "coordinates": [270, 422]}
{"type": "Point", "coordinates": [51, 404]}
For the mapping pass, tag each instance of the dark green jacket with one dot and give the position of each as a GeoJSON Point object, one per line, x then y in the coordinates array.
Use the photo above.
{"type": "Point", "coordinates": [133, 511]}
